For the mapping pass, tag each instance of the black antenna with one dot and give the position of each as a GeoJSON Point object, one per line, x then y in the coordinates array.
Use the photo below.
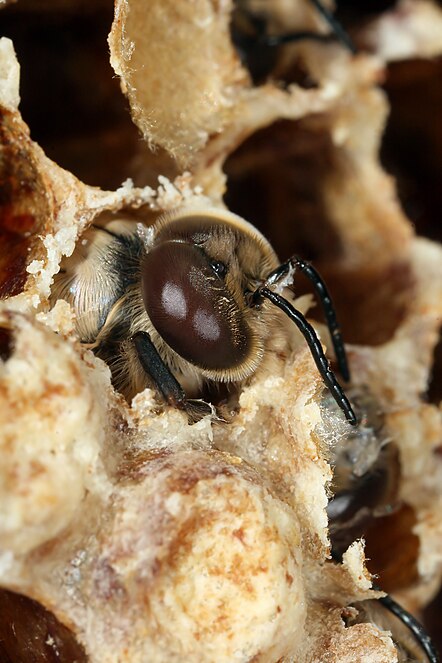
{"type": "Point", "coordinates": [405, 617]}
{"type": "Point", "coordinates": [327, 304]}
{"type": "Point", "coordinates": [413, 625]}
{"type": "Point", "coordinates": [315, 348]}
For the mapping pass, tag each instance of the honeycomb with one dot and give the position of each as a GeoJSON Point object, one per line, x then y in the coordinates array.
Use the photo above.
{"type": "Point", "coordinates": [126, 532]}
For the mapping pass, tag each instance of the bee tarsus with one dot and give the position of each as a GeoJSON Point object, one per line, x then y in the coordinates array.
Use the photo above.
{"type": "Point", "coordinates": [165, 381]}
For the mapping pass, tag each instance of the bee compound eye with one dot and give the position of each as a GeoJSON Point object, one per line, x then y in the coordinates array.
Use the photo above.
{"type": "Point", "coordinates": [219, 268]}
{"type": "Point", "coordinates": [191, 308]}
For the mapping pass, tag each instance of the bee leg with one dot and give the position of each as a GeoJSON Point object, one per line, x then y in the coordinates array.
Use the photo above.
{"type": "Point", "coordinates": [258, 37]}
{"type": "Point", "coordinates": [337, 28]}
{"type": "Point", "coordinates": [292, 37]}
{"type": "Point", "coordinates": [314, 344]}
{"type": "Point", "coordinates": [165, 381]}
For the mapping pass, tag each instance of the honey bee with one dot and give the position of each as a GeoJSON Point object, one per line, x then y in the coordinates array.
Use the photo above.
{"type": "Point", "coordinates": [193, 300]}
{"type": "Point", "coordinates": [196, 299]}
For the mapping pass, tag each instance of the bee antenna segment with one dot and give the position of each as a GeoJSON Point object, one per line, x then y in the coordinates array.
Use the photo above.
{"type": "Point", "coordinates": [329, 311]}
{"type": "Point", "coordinates": [405, 617]}
{"type": "Point", "coordinates": [315, 348]}
{"type": "Point", "coordinates": [413, 625]}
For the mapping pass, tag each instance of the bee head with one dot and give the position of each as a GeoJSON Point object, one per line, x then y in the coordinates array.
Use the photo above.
{"type": "Point", "coordinates": [195, 278]}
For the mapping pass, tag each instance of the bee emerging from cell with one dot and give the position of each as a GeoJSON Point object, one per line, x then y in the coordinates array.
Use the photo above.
{"type": "Point", "coordinates": [196, 300]}
{"type": "Point", "coordinates": [193, 301]}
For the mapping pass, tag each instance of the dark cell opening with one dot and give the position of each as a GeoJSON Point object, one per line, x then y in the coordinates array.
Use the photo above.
{"type": "Point", "coordinates": [6, 343]}
{"type": "Point", "coordinates": [371, 304]}
{"type": "Point", "coordinates": [412, 144]}
{"type": "Point", "coordinates": [434, 394]}
{"type": "Point", "coordinates": [432, 620]}
{"type": "Point", "coordinates": [348, 11]}
{"type": "Point", "coordinates": [263, 54]}
{"type": "Point", "coordinates": [392, 549]}
{"type": "Point", "coordinates": [31, 634]}
{"type": "Point", "coordinates": [71, 98]}
{"type": "Point", "coordinates": [276, 180]}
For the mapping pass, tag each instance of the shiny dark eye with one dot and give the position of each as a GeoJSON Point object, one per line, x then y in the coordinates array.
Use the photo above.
{"type": "Point", "coordinates": [191, 308]}
{"type": "Point", "coordinates": [219, 268]}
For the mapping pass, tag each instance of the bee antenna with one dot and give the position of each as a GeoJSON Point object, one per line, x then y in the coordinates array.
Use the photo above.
{"type": "Point", "coordinates": [327, 305]}
{"type": "Point", "coordinates": [413, 625]}
{"type": "Point", "coordinates": [314, 344]}
{"type": "Point", "coordinates": [405, 617]}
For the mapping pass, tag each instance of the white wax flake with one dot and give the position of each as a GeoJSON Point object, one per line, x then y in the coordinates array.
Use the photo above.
{"type": "Point", "coordinates": [51, 643]}
{"type": "Point", "coordinates": [204, 22]}
{"type": "Point", "coordinates": [173, 504]}
{"type": "Point", "coordinates": [204, 425]}
{"type": "Point", "coordinates": [127, 185]}
{"type": "Point", "coordinates": [340, 135]}
{"type": "Point", "coordinates": [129, 48]}
{"type": "Point", "coordinates": [60, 318]}
{"type": "Point", "coordinates": [353, 560]}
{"type": "Point", "coordinates": [9, 74]}
{"type": "Point", "coordinates": [79, 558]}
{"type": "Point", "coordinates": [330, 91]}
{"type": "Point", "coordinates": [6, 562]}
{"type": "Point", "coordinates": [63, 242]}
{"type": "Point", "coordinates": [167, 185]}
{"type": "Point", "coordinates": [286, 281]}
{"type": "Point", "coordinates": [35, 267]}
{"type": "Point", "coordinates": [146, 235]}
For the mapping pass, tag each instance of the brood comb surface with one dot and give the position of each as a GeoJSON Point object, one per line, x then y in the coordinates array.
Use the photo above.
{"type": "Point", "coordinates": [152, 539]}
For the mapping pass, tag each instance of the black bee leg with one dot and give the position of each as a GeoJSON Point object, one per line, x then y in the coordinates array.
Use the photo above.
{"type": "Point", "coordinates": [157, 370]}
{"type": "Point", "coordinates": [163, 379]}
{"type": "Point", "coordinates": [258, 36]}
{"type": "Point", "coordinates": [329, 311]}
{"type": "Point", "coordinates": [315, 348]}
{"type": "Point", "coordinates": [258, 50]}
{"type": "Point", "coordinates": [292, 37]}
{"type": "Point", "coordinates": [337, 28]}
